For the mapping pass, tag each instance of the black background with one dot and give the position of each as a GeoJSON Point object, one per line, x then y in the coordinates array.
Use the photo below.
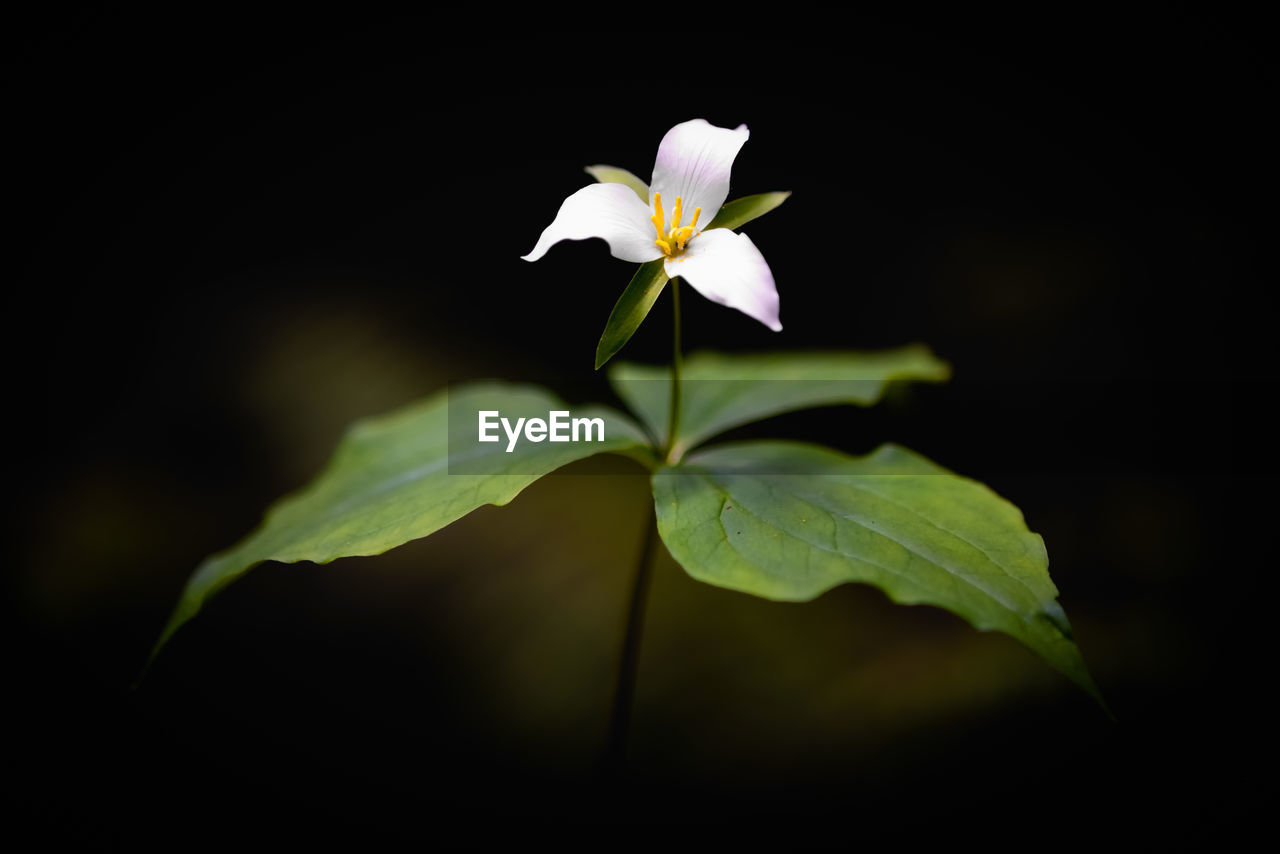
{"type": "Point", "coordinates": [229, 238]}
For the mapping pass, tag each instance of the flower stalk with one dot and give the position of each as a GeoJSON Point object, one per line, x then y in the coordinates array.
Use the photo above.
{"type": "Point", "coordinates": [673, 422]}
{"type": "Point", "coordinates": [628, 664]}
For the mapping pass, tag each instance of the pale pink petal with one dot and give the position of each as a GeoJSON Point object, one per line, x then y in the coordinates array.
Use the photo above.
{"type": "Point", "coordinates": [609, 211]}
{"type": "Point", "coordinates": [728, 268]}
{"type": "Point", "coordinates": [694, 160]}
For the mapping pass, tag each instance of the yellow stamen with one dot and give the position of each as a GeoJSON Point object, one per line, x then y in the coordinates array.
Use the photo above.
{"type": "Point", "coordinates": [672, 241]}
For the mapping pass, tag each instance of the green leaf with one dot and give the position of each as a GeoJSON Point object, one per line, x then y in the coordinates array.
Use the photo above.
{"type": "Point", "coordinates": [631, 309]}
{"type": "Point", "coordinates": [741, 211]}
{"type": "Point", "coordinates": [614, 175]}
{"type": "Point", "coordinates": [788, 521]}
{"type": "Point", "coordinates": [724, 391]}
{"type": "Point", "coordinates": [397, 477]}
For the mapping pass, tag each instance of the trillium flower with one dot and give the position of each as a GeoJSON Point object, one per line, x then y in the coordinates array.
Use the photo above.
{"type": "Point", "coordinates": [690, 183]}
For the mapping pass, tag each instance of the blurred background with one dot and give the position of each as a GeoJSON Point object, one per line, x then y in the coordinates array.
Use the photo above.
{"type": "Point", "coordinates": [229, 238]}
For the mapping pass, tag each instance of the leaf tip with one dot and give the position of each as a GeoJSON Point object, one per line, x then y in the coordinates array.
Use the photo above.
{"type": "Point", "coordinates": [934, 367]}
{"type": "Point", "coordinates": [606, 350]}
{"type": "Point", "coordinates": [1091, 688]}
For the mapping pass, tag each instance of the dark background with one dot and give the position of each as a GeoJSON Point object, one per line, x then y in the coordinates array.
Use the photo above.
{"type": "Point", "coordinates": [229, 238]}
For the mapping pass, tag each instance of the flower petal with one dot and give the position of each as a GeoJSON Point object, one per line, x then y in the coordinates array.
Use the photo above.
{"type": "Point", "coordinates": [728, 268]}
{"type": "Point", "coordinates": [693, 163]}
{"type": "Point", "coordinates": [609, 211]}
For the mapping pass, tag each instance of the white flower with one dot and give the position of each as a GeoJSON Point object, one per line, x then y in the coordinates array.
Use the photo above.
{"type": "Point", "coordinates": [690, 174]}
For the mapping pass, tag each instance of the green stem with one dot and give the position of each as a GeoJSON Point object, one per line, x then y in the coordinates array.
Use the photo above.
{"type": "Point", "coordinates": [673, 423]}
{"type": "Point", "coordinates": [625, 690]}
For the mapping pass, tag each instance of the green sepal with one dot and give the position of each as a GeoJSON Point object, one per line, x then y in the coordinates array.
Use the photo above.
{"type": "Point", "coordinates": [741, 211]}
{"type": "Point", "coordinates": [614, 175]}
{"type": "Point", "coordinates": [631, 309]}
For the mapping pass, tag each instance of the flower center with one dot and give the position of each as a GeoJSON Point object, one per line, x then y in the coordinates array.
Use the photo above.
{"type": "Point", "coordinates": [672, 242]}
